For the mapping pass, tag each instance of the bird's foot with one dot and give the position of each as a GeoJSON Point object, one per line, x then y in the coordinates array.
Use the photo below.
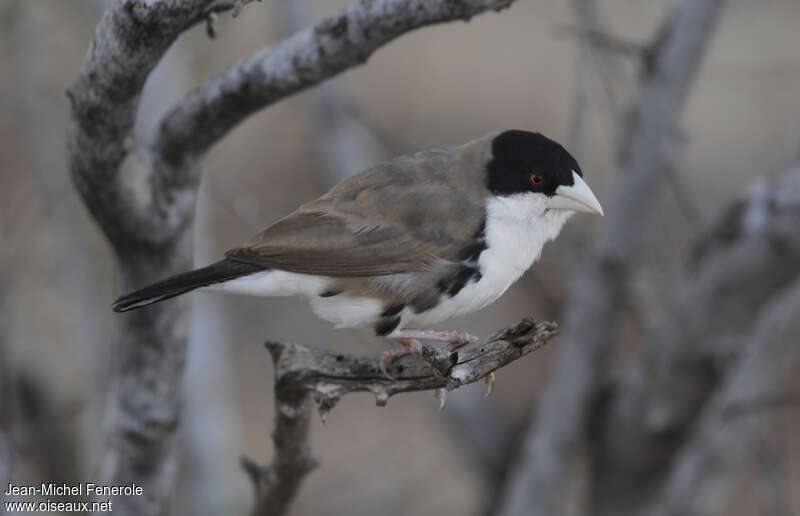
{"type": "Point", "coordinates": [409, 347]}
{"type": "Point", "coordinates": [454, 339]}
{"type": "Point", "coordinates": [409, 339]}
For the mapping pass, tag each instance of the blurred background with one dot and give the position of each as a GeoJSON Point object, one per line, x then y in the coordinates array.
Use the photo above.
{"type": "Point", "coordinates": [440, 86]}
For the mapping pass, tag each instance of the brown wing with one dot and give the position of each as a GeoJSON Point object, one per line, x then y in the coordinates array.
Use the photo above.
{"type": "Point", "coordinates": [399, 217]}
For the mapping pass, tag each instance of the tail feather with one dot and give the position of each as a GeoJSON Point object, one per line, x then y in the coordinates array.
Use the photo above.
{"type": "Point", "coordinates": [223, 270]}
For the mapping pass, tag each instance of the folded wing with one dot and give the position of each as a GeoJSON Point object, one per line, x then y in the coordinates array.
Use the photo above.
{"type": "Point", "coordinates": [388, 220]}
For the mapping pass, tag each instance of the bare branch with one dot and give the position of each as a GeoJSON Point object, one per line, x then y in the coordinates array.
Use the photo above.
{"type": "Point", "coordinates": [303, 374]}
{"type": "Point", "coordinates": [277, 484]}
{"type": "Point", "coordinates": [597, 294]}
{"type": "Point", "coordinates": [130, 40]}
{"type": "Point", "coordinates": [303, 60]}
{"type": "Point", "coordinates": [329, 376]}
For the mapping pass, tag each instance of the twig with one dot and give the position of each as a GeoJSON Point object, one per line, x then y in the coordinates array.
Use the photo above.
{"type": "Point", "coordinates": [303, 374]}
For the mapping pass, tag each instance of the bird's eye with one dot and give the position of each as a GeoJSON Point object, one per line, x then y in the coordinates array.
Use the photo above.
{"type": "Point", "coordinates": [537, 180]}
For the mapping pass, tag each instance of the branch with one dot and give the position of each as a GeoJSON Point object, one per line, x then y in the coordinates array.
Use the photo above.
{"type": "Point", "coordinates": [329, 376]}
{"type": "Point", "coordinates": [277, 484]}
{"type": "Point", "coordinates": [129, 41]}
{"type": "Point", "coordinates": [597, 295]}
{"type": "Point", "coordinates": [303, 374]}
{"type": "Point", "coordinates": [303, 60]}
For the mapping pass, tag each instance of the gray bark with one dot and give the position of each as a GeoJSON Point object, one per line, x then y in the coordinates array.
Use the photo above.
{"type": "Point", "coordinates": [142, 193]}
{"type": "Point", "coordinates": [539, 484]}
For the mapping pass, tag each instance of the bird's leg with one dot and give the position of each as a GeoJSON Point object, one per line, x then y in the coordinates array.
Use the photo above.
{"type": "Point", "coordinates": [454, 339]}
{"type": "Point", "coordinates": [410, 346]}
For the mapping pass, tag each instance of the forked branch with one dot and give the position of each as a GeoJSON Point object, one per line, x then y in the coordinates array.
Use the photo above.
{"type": "Point", "coordinates": [303, 374]}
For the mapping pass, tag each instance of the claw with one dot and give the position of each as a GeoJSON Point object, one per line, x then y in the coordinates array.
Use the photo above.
{"type": "Point", "coordinates": [441, 395]}
{"type": "Point", "coordinates": [489, 379]}
{"type": "Point", "coordinates": [460, 339]}
{"type": "Point", "coordinates": [386, 360]}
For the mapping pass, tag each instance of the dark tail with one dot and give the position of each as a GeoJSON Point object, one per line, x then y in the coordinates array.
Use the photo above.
{"type": "Point", "coordinates": [223, 270]}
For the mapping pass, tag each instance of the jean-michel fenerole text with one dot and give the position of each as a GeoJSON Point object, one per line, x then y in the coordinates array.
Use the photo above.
{"type": "Point", "coordinates": [88, 489]}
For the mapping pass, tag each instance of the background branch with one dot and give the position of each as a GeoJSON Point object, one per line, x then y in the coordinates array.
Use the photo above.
{"type": "Point", "coordinates": [302, 60]}
{"type": "Point", "coordinates": [597, 295]}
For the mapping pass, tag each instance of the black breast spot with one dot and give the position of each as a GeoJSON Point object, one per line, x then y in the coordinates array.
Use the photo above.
{"type": "Point", "coordinates": [460, 279]}
{"type": "Point", "coordinates": [425, 301]}
{"type": "Point", "coordinates": [386, 326]}
{"type": "Point", "coordinates": [472, 251]}
{"type": "Point", "coordinates": [393, 310]}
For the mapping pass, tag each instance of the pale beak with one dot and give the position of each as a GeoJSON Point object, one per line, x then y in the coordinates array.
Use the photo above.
{"type": "Point", "coordinates": [577, 197]}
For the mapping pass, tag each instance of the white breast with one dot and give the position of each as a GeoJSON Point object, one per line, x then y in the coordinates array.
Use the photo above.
{"type": "Point", "coordinates": [517, 227]}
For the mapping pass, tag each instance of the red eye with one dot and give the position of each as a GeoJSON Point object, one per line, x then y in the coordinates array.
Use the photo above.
{"type": "Point", "coordinates": [537, 180]}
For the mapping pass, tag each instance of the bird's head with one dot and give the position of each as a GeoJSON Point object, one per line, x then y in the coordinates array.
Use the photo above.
{"type": "Point", "coordinates": [523, 162]}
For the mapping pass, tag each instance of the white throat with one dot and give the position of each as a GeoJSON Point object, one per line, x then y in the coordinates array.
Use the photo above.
{"type": "Point", "coordinates": [517, 227]}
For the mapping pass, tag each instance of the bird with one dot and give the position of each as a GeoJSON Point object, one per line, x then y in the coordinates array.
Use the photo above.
{"type": "Point", "coordinates": [408, 243]}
